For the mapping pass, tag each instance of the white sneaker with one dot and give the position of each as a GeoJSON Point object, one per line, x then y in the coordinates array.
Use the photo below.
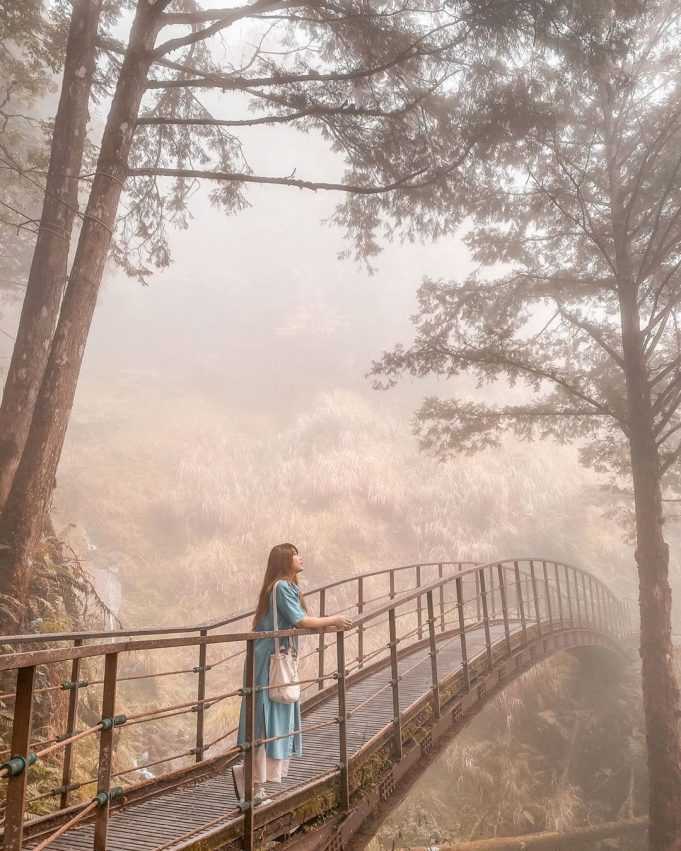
{"type": "Point", "coordinates": [260, 798]}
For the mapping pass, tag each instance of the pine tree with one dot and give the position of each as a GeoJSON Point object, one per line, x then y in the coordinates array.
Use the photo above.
{"type": "Point", "coordinates": [585, 214]}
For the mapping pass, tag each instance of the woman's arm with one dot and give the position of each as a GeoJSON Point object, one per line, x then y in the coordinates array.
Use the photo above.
{"type": "Point", "coordinates": [332, 621]}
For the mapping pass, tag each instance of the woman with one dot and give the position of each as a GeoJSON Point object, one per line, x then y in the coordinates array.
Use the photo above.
{"type": "Point", "coordinates": [277, 719]}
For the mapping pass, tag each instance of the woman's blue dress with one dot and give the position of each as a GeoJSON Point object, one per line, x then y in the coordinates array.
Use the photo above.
{"type": "Point", "coordinates": [275, 719]}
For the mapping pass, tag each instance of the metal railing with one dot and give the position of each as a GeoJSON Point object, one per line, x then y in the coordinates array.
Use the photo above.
{"type": "Point", "coordinates": [421, 606]}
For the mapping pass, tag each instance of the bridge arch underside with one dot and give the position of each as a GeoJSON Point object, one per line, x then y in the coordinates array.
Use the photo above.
{"type": "Point", "coordinates": [200, 813]}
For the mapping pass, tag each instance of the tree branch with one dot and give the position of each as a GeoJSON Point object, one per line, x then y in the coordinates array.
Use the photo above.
{"type": "Point", "coordinates": [279, 78]}
{"type": "Point", "coordinates": [671, 459]}
{"type": "Point", "coordinates": [229, 17]}
{"type": "Point", "coordinates": [511, 363]}
{"type": "Point", "coordinates": [593, 332]}
{"type": "Point", "coordinates": [229, 177]}
{"type": "Point", "coordinates": [316, 110]}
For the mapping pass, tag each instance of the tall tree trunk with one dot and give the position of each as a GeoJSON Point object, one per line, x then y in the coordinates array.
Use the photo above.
{"type": "Point", "coordinates": [27, 505]}
{"type": "Point", "coordinates": [661, 696]}
{"type": "Point", "coordinates": [47, 277]}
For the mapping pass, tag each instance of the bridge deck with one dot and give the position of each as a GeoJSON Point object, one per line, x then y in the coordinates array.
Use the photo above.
{"type": "Point", "coordinates": [164, 822]}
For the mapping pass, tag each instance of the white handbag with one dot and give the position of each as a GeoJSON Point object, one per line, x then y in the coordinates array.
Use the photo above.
{"type": "Point", "coordinates": [284, 686]}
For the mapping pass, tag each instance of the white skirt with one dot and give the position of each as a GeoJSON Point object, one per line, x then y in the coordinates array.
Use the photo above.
{"type": "Point", "coordinates": [267, 769]}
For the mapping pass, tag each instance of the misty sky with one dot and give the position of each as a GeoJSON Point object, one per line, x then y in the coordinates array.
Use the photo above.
{"type": "Point", "coordinates": [258, 304]}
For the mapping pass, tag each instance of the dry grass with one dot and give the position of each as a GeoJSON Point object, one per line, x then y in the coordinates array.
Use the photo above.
{"type": "Point", "coordinates": [186, 500]}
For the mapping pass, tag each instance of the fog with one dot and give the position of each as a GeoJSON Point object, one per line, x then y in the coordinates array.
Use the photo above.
{"type": "Point", "coordinates": [226, 407]}
{"type": "Point", "coordinates": [255, 326]}
{"type": "Point", "coordinates": [257, 309]}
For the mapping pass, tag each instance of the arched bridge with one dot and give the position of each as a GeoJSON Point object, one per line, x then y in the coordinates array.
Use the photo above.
{"type": "Point", "coordinates": [430, 644]}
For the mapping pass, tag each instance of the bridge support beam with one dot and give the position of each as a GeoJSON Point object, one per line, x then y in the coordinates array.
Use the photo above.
{"type": "Point", "coordinates": [395, 681]}
{"type": "Point", "coordinates": [485, 618]}
{"type": "Point", "coordinates": [249, 762]}
{"type": "Point", "coordinates": [462, 632]}
{"type": "Point", "coordinates": [322, 640]}
{"type": "Point", "coordinates": [433, 655]}
{"type": "Point", "coordinates": [21, 737]}
{"type": "Point", "coordinates": [200, 697]}
{"type": "Point", "coordinates": [106, 750]}
{"type": "Point", "coordinates": [342, 725]}
{"type": "Point", "coordinates": [71, 721]}
{"type": "Point", "coordinates": [504, 607]}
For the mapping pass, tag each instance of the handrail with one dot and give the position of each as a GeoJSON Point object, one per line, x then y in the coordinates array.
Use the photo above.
{"type": "Point", "coordinates": [395, 602]}
{"type": "Point", "coordinates": [41, 657]}
{"type": "Point", "coordinates": [171, 630]}
{"type": "Point", "coordinates": [338, 582]}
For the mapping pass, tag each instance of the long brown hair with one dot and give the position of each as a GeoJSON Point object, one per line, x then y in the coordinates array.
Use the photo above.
{"type": "Point", "coordinates": [278, 567]}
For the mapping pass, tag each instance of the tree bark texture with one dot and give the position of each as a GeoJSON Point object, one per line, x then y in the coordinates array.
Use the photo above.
{"type": "Point", "coordinates": [28, 503]}
{"type": "Point", "coordinates": [47, 276]}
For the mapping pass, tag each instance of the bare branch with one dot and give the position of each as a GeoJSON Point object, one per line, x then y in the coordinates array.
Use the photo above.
{"type": "Point", "coordinates": [403, 183]}
{"type": "Point", "coordinates": [281, 78]}
{"type": "Point", "coordinates": [226, 20]}
{"type": "Point", "coordinates": [512, 362]}
{"type": "Point", "coordinates": [315, 110]}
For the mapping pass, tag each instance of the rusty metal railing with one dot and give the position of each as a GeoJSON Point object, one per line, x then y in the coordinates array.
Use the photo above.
{"type": "Point", "coordinates": [423, 605]}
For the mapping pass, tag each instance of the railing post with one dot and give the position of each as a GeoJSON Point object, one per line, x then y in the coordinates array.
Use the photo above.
{"type": "Point", "coordinates": [607, 609]}
{"type": "Point", "coordinates": [504, 607]}
{"type": "Point", "coordinates": [106, 750]}
{"type": "Point", "coordinates": [616, 620]}
{"type": "Point", "coordinates": [569, 596]}
{"type": "Point", "coordinates": [21, 738]}
{"type": "Point", "coordinates": [578, 605]}
{"type": "Point", "coordinates": [478, 596]}
{"type": "Point", "coordinates": [521, 604]}
{"type": "Point", "coordinates": [588, 609]}
{"type": "Point", "coordinates": [433, 655]}
{"type": "Point", "coordinates": [200, 696]}
{"type": "Point", "coordinates": [342, 724]}
{"type": "Point", "coordinates": [391, 580]}
{"type": "Point", "coordinates": [395, 681]}
{"type": "Point", "coordinates": [535, 595]}
{"type": "Point", "coordinates": [360, 628]}
{"type": "Point", "coordinates": [322, 641]}
{"type": "Point", "coordinates": [419, 605]}
{"type": "Point", "coordinates": [559, 594]}
{"type": "Point", "coordinates": [547, 587]}
{"type": "Point", "coordinates": [462, 632]}
{"type": "Point", "coordinates": [485, 618]}
{"type": "Point", "coordinates": [441, 573]}
{"type": "Point", "coordinates": [71, 720]}
{"type": "Point", "coordinates": [599, 608]}
{"type": "Point", "coordinates": [492, 595]}
{"type": "Point", "coordinates": [249, 760]}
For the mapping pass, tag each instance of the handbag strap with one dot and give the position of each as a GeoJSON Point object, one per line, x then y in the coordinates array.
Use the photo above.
{"type": "Point", "coordinates": [275, 618]}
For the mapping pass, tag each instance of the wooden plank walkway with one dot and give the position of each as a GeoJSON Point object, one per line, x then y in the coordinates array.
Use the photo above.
{"type": "Point", "coordinates": [160, 822]}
